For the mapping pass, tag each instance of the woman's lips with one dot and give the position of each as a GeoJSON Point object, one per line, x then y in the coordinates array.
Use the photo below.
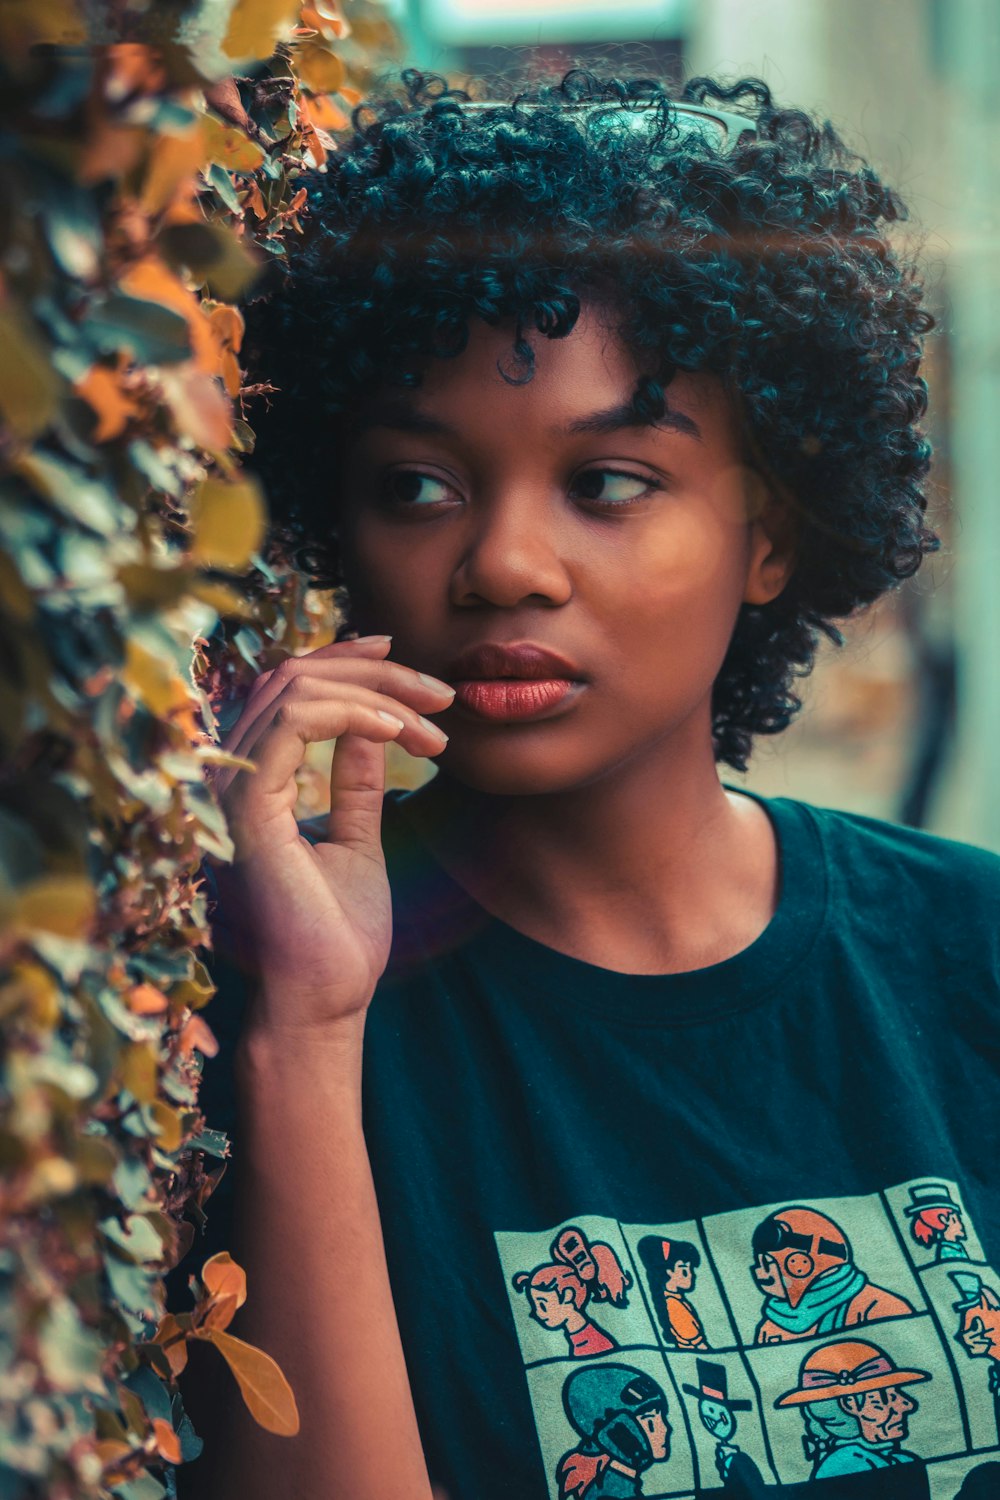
{"type": "Point", "coordinates": [512, 698]}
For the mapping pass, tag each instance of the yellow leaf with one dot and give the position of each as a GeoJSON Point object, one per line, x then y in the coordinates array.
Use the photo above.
{"type": "Point", "coordinates": [256, 27]}
{"type": "Point", "coordinates": [223, 599]}
{"type": "Point", "coordinates": [175, 159]}
{"type": "Point", "coordinates": [169, 1123]}
{"type": "Point", "coordinates": [139, 1073]}
{"type": "Point", "coordinates": [320, 69]}
{"type": "Point", "coordinates": [64, 904]}
{"type": "Point", "coordinates": [228, 521]}
{"type": "Point", "coordinates": [223, 1277]}
{"type": "Point", "coordinates": [29, 386]}
{"type": "Point", "coordinates": [268, 1396]}
{"type": "Point", "coordinates": [230, 147]}
{"type": "Point", "coordinates": [153, 680]}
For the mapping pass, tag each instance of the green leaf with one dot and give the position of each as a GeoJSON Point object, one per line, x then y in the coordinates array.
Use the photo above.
{"type": "Point", "coordinates": [70, 1353]}
{"type": "Point", "coordinates": [153, 334]}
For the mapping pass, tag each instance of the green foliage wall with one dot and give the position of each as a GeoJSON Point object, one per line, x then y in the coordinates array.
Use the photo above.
{"type": "Point", "coordinates": [149, 164]}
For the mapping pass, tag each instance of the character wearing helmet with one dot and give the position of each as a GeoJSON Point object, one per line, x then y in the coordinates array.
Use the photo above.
{"type": "Point", "coordinates": [857, 1412]}
{"type": "Point", "coordinates": [803, 1263]}
{"type": "Point", "coordinates": [621, 1416]}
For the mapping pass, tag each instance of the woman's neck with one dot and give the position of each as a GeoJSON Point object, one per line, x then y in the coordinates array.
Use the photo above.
{"type": "Point", "coordinates": [655, 871]}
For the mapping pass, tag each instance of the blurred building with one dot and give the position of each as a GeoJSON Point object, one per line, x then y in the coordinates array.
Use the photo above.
{"type": "Point", "coordinates": [903, 721]}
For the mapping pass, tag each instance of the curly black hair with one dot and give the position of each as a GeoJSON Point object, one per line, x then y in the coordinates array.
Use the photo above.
{"type": "Point", "coordinates": [767, 262]}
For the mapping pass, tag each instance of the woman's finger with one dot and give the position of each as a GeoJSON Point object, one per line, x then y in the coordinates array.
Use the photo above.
{"type": "Point", "coordinates": [368, 646]}
{"type": "Point", "coordinates": [357, 786]}
{"type": "Point", "coordinates": [269, 795]}
{"type": "Point", "coordinates": [400, 686]}
{"type": "Point", "coordinates": [419, 735]}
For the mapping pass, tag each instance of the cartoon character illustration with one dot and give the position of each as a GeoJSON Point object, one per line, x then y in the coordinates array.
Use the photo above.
{"type": "Point", "coordinates": [805, 1266]}
{"type": "Point", "coordinates": [621, 1416]}
{"type": "Point", "coordinates": [935, 1220]}
{"type": "Point", "coordinates": [559, 1290]}
{"type": "Point", "coordinates": [670, 1269]}
{"type": "Point", "coordinates": [856, 1410]}
{"type": "Point", "coordinates": [978, 1333]}
{"type": "Point", "coordinates": [738, 1472]}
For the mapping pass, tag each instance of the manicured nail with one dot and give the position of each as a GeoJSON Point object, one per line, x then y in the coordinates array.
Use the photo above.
{"type": "Point", "coordinates": [428, 725]}
{"type": "Point", "coordinates": [436, 683]}
{"type": "Point", "coordinates": [367, 640]}
{"type": "Point", "coordinates": [389, 718]}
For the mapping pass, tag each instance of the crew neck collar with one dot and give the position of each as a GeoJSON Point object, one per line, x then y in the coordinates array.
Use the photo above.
{"type": "Point", "coordinates": [557, 978]}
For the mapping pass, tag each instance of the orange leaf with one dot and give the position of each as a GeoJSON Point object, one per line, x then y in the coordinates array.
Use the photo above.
{"type": "Point", "coordinates": [269, 1398]}
{"type": "Point", "coordinates": [219, 1313]}
{"type": "Point", "coordinates": [196, 1032]}
{"type": "Point", "coordinates": [326, 114]}
{"type": "Point", "coordinates": [150, 280]}
{"type": "Point", "coordinates": [168, 1444]}
{"type": "Point", "coordinates": [102, 388]}
{"type": "Point", "coordinates": [173, 1339]}
{"type": "Point", "coordinates": [223, 1277]}
{"type": "Point", "coordinates": [146, 1000]}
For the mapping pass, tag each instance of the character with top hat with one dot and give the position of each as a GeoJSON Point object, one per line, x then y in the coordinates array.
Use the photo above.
{"type": "Point", "coordinates": [936, 1221]}
{"type": "Point", "coordinates": [717, 1411]}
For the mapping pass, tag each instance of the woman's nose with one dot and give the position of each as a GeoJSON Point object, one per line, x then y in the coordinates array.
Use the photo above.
{"type": "Point", "coordinates": [512, 554]}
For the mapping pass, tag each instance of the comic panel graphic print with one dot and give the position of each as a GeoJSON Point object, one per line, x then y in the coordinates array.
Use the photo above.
{"type": "Point", "coordinates": [851, 1341]}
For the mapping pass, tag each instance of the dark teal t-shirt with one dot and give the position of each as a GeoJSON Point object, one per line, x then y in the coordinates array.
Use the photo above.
{"type": "Point", "coordinates": [731, 1231]}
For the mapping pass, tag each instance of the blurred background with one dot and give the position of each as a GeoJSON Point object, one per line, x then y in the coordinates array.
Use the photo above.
{"type": "Point", "coordinates": [903, 722]}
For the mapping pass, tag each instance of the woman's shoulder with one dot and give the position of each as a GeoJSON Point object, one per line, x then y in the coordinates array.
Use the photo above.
{"type": "Point", "coordinates": [888, 867]}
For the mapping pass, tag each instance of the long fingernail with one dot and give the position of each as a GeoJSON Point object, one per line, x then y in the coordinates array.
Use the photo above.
{"type": "Point", "coordinates": [428, 725]}
{"type": "Point", "coordinates": [360, 640]}
{"type": "Point", "coordinates": [436, 683]}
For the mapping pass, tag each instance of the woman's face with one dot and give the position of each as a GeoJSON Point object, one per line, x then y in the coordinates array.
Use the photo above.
{"type": "Point", "coordinates": [481, 514]}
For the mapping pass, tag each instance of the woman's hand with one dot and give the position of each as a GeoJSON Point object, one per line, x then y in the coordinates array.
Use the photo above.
{"type": "Point", "coordinates": [316, 920]}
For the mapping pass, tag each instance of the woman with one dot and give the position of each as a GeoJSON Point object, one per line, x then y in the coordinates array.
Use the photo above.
{"type": "Point", "coordinates": [603, 410]}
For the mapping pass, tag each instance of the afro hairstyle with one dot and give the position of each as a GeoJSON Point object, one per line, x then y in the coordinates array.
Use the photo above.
{"type": "Point", "coordinates": [767, 262]}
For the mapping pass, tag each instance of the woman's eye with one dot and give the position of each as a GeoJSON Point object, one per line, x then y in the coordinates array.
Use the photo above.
{"type": "Point", "coordinates": [410, 487]}
{"type": "Point", "coordinates": [611, 487]}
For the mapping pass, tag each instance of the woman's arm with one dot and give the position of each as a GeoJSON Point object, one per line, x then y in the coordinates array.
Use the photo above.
{"type": "Point", "coordinates": [318, 1297]}
{"type": "Point", "coordinates": [313, 921]}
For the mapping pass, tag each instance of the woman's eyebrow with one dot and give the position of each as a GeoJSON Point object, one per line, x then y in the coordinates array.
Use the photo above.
{"type": "Point", "coordinates": [401, 416]}
{"type": "Point", "coordinates": [615, 418]}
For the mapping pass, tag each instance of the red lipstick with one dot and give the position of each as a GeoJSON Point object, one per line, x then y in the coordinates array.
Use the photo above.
{"type": "Point", "coordinates": [512, 683]}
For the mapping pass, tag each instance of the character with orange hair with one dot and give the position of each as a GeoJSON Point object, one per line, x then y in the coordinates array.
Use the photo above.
{"type": "Point", "coordinates": [936, 1221]}
{"type": "Point", "coordinates": [804, 1265]}
{"type": "Point", "coordinates": [559, 1290]}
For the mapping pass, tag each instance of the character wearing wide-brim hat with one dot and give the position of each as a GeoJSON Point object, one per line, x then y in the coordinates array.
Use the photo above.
{"type": "Point", "coordinates": [849, 1368]}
